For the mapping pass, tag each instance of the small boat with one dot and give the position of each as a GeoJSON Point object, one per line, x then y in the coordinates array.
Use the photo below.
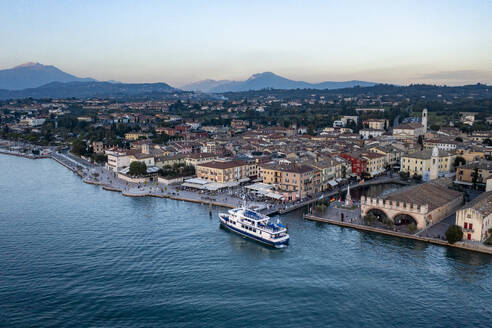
{"type": "Point", "coordinates": [251, 224]}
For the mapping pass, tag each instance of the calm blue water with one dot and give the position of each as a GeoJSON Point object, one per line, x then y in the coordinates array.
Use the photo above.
{"type": "Point", "coordinates": [72, 254]}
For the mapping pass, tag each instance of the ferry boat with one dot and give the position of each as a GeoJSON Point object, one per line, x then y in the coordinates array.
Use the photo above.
{"type": "Point", "coordinates": [256, 226]}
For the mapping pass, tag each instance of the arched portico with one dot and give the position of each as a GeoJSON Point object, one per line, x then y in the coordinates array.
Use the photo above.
{"type": "Point", "coordinates": [404, 219]}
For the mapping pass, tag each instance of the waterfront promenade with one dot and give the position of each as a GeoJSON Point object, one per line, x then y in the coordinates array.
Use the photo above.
{"type": "Point", "coordinates": [98, 175]}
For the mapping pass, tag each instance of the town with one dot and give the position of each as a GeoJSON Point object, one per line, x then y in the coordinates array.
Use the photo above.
{"type": "Point", "coordinates": [283, 150]}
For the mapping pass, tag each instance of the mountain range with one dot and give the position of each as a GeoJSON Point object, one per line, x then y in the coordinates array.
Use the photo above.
{"type": "Point", "coordinates": [46, 81]}
{"type": "Point", "coordinates": [91, 89]}
{"type": "Point", "coordinates": [267, 80]}
{"type": "Point", "coordinates": [33, 75]}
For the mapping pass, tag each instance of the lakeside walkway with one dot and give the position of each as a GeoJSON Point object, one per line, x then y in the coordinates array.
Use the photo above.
{"type": "Point", "coordinates": [97, 175]}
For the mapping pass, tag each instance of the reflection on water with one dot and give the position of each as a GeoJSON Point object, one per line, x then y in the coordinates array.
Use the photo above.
{"type": "Point", "coordinates": [469, 266]}
{"type": "Point", "coordinates": [372, 190]}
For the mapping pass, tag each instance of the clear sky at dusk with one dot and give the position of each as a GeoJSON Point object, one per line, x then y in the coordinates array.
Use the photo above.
{"type": "Point", "coordinates": [182, 41]}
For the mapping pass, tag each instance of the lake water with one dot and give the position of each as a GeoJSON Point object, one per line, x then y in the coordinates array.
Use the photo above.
{"type": "Point", "coordinates": [72, 254]}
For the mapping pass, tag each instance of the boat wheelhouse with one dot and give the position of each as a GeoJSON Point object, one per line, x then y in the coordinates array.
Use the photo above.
{"type": "Point", "coordinates": [254, 225]}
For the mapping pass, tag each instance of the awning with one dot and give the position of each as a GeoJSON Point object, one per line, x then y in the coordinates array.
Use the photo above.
{"type": "Point", "coordinates": [463, 183]}
{"type": "Point", "coordinates": [273, 195]}
{"type": "Point", "coordinates": [193, 185]}
{"type": "Point", "coordinates": [332, 183]}
{"type": "Point", "coordinates": [197, 181]}
{"type": "Point", "coordinates": [244, 180]}
{"type": "Point", "coordinates": [262, 187]}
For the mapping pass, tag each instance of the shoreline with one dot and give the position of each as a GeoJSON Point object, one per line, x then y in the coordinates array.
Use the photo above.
{"type": "Point", "coordinates": [310, 217]}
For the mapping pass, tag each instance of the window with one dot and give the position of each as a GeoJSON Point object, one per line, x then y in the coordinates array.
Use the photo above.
{"type": "Point", "coordinates": [470, 226]}
{"type": "Point", "coordinates": [465, 225]}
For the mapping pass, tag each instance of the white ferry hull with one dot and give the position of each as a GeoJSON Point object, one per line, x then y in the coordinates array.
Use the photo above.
{"type": "Point", "coordinates": [275, 244]}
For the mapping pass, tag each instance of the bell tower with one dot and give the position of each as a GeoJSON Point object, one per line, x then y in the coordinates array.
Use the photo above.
{"type": "Point", "coordinates": [424, 119]}
{"type": "Point", "coordinates": [434, 166]}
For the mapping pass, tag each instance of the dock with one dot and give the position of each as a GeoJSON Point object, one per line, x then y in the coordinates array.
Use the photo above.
{"type": "Point", "coordinates": [435, 241]}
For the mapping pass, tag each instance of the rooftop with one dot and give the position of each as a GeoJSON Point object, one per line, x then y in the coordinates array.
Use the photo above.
{"type": "Point", "coordinates": [222, 164]}
{"type": "Point", "coordinates": [431, 193]}
{"type": "Point", "coordinates": [288, 167]}
{"type": "Point", "coordinates": [409, 126]}
{"type": "Point", "coordinates": [427, 154]}
{"type": "Point", "coordinates": [482, 204]}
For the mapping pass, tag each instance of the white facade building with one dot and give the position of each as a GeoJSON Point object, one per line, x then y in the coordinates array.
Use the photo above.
{"type": "Point", "coordinates": [476, 218]}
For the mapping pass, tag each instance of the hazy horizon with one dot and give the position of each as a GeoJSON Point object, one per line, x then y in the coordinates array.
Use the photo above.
{"type": "Point", "coordinates": [443, 42]}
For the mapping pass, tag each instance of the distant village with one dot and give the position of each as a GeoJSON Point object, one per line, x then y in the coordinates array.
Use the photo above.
{"type": "Point", "coordinates": [284, 150]}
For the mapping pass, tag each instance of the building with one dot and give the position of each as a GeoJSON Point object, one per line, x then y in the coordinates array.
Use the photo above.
{"type": "Point", "coordinates": [32, 121]}
{"type": "Point", "coordinates": [223, 171]}
{"type": "Point", "coordinates": [441, 144]}
{"type": "Point", "coordinates": [120, 159]}
{"type": "Point", "coordinates": [170, 160]}
{"type": "Point", "coordinates": [480, 136]}
{"type": "Point", "coordinates": [369, 110]}
{"type": "Point", "coordinates": [471, 154]}
{"type": "Point", "coordinates": [375, 163]}
{"type": "Point", "coordinates": [421, 163]}
{"type": "Point", "coordinates": [465, 173]}
{"type": "Point", "coordinates": [424, 204]}
{"type": "Point", "coordinates": [408, 131]}
{"type": "Point", "coordinates": [98, 147]}
{"type": "Point", "coordinates": [411, 130]}
{"type": "Point", "coordinates": [370, 133]}
{"type": "Point", "coordinates": [117, 159]}
{"type": "Point", "coordinates": [294, 181]}
{"type": "Point", "coordinates": [329, 171]}
{"type": "Point", "coordinates": [136, 135]}
{"type": "Point", "coordinates": [358, 164]}
{"type": "Point", "coordinates": [347, 118]}
{"type": "Point", "coordinates": [475, 218]}
{"type": "Point", "coordinates": [198, 158]}
{"type": "Point", "coordinates": [376, 124]}
{"type": "Point", "coordinates": [393, 155]}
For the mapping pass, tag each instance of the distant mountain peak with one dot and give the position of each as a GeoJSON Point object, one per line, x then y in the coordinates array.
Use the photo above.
{"type": "Point", "coordinates": [32, 75]}
{"type": "Point", "coordinates": [30, 64]}
{"type": "Point", "coordinates": [264, 74]}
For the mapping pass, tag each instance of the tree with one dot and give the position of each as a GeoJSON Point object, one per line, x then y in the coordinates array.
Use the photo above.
{"type": "Point", "coordinates": [417, 177]}
{"type": "Point", "coordinates": [459, 139]}
{"type": "Point", "coordinates": [310, 131]}
{"type": "Point", "coordinates": [404, 175]}
{"type": "Point", "coordinates": [420, 141]}
{"type": "Point", "coordinates": [138, 168]}
{"type": "Point", "coordinates": [100, 158]}
{"type": "Point", "coordinates": [344, 171]}
{"type": "Point", "coordinates": [370, 219]}
{"type": "Point", "coordinates": [475, 178]}
{"type": "Point", "coordinates": [320, 208]}
{"type": "Point", "coordinates": [459, 161]}
{"type": "Point", "coordinates": [454, 234]}
{"type": "Point", "coordinates": [79, 147]}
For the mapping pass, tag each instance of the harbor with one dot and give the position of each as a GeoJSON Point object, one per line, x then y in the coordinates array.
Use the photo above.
{"type": "Point", "coordinates": [141, 251]}
{"type": "Point", "coordinates": [99, 176]}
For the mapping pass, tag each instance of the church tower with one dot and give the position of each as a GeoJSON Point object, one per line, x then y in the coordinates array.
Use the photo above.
{"type": "Point", "coordinates": [424, 119]}
{"type": "Point", "coordinates": [434, 167]}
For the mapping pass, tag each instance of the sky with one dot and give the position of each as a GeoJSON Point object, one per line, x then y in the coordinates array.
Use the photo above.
{"type": "Point", "coordinates": [403, 42]}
